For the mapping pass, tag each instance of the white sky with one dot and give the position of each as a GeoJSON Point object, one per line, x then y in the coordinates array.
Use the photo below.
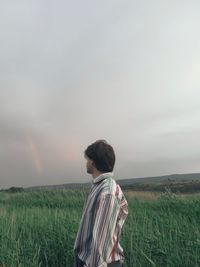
{"type": "Point", "coordinates": [72, 72]}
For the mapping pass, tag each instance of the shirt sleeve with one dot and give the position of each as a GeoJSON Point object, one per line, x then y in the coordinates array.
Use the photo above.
{"type": "Point", "coordinates": [103, 230]}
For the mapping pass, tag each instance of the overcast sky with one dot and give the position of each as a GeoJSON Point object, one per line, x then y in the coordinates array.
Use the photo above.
{"type": "Point", "coordinates": [72, 72]}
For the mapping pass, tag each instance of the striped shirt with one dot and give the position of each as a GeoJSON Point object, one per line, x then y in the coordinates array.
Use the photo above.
{"type": "Point", "coordinates": [104, 213]}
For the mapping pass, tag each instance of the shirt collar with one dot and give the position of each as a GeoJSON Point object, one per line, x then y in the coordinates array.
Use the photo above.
{"type": "Point", "coordinates": [102, 177]}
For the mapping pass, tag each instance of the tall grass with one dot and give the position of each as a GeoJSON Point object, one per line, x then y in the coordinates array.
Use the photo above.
{"type": "Point", "coordinates": [38, 229]}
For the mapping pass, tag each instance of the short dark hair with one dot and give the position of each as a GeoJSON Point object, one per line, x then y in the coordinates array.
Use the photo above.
{"type": "Point", "coordinates": [103, 155]}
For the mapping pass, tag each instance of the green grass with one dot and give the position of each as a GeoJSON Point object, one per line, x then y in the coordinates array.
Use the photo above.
{"type": "Point", "coordinates": [38, 229]}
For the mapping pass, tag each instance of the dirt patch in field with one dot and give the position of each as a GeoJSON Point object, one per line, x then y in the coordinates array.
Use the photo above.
{"type": "Point", "coordinates": [142, 195]}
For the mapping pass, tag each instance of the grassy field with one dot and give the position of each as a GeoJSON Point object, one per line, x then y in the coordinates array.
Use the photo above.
{"type": "Point", "coordinates": [38, 228]}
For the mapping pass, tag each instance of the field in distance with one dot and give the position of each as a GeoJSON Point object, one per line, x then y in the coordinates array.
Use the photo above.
{"type": "Point", "coordinates": [183, 183]}
{"type": "Point", "coordinates": [38, 228]}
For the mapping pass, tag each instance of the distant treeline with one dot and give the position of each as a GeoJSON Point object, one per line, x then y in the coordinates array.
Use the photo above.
{"type": "Point", "coordinates": [175, 187]}
{"type": "Point", "coordinates": [189, 184]}
{"type": "Point", "coordinates": [13, 189]}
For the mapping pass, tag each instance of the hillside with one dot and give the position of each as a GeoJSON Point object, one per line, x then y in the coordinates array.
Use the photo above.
{"type": "Point", "coordinates": [176, 182]}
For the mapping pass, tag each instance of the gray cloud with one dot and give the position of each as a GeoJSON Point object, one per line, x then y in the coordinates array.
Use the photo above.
{"type": "Point", "coordinates": [71, 73]}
